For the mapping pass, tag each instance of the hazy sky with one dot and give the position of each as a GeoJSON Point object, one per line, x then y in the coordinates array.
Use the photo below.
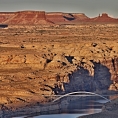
{"type": "Point", "coordinates": [90, 7]}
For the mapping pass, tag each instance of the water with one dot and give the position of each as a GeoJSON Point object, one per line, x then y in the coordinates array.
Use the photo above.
{"type": "Point", "coordinates": [75, 109]}
{"type": "Point", "coordinates": [56, 116]}
{"type": "Point", "coordinates": [60, 116]}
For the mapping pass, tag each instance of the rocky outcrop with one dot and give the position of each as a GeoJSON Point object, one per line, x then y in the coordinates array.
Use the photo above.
{"type": "Point", "coordinates": [104, 18]}
{"type": "Point", "coordinates": [80, 16]}
{"type": "Point", "coordinates": [15, 61]}
{"type": "Point", "coordinates": [39, 61]}
{"type": "Point", "coordinates": [81, 80]}
{"type": "Point", "coordinates": [66, 18]}
{"type": "Point", "coordinates": [5, 15]}
{"type": "Point", "coordinates": [56, 17]}
{"type": "Point", "coordinates": [28, 18]}
{"type": "Point", "coordinates": [48, 18]}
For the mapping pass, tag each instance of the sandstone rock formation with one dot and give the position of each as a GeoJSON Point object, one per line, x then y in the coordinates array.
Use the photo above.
{"type": "Point", "coordinates": [104, 18]}
{"type": "Point", "coordinates": [5, 15]}
{"type": "Point", "coordinates": [72, 60]}
{"type": "Point", "coordinates": [56, 17]}
{"type": "Point", "coordinates": [28, 18]}
{"type": "Point", "coordinates": [37, 61]}
{"type": "Point", "coordinates": [80, 16]}
{"type": "Point", "coordinates": [75, 18]}
{"type": "Point", "coordinates": [42, 17]}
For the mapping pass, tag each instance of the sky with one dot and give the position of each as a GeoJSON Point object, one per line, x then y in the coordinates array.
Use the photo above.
{"type": "Point", "coordinates": [90, 7]}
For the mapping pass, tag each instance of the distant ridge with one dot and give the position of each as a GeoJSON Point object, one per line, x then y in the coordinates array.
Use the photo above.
{"type": "Point", "coordinates": [5, 15]}
{"type": "Point", "coordinates": [104, 18]}
{"type": "Point", "coordinates": [28, 17]}
{"type": "Point", "coordinates": [42, 17]}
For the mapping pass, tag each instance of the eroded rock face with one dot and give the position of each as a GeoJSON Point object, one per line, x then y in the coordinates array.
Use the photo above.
{"type": "Point", "coordinates": [49, 18]}
{"type": "Point", "coordinates": [55, 17]}
{"type": "Point", "coordinates": [39, 61]}
{"type": "Point", "coordinates": [28, 18]}
{"type": "Point", "coordinates": [4, 16]}
{"type": "Point", "coordinates": [104, 18]}
{"type": "Point", "coordinates": [82, 80]}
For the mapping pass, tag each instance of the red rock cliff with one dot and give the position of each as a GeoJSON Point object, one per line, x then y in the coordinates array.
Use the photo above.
{"type": "Point", "coordinates": [104, 18]}
{"type": "Point", "coordinates": [5, 15]}
{"type": "Point", "coordinates": [40, 17]}
{"type": "Point", "coordinates": [80, 16]}
{"type": "Point", "coordinates": [28, 17]}
{"type": "Point", "coordinates": [55, 17]}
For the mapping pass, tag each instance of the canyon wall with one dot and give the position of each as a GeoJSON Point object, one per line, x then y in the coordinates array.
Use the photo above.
{"type": "Point", "coordinates": [5, 15]}
{"type": "Point", "coordinates": [37, 61]}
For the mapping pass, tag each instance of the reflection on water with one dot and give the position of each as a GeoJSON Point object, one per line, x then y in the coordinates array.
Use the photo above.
{"type": "Point", "coordinates": [101, 101]}
{"type": "Point", "coordinates": [75, 108]}
{"type": "Point", "coordinates": [60, 116]}
{"type": "Point", "coordinates": [113, 97]}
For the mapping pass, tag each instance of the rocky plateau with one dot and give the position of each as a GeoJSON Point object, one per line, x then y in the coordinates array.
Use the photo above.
{"type": "Point", "coordinates": [44, 54]}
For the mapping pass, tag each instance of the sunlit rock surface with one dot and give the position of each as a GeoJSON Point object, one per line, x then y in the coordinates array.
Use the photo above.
{"type": "Point", "coordinates": [40, 57]}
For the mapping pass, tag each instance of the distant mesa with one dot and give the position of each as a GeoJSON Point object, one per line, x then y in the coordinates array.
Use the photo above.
{"type": "Point", "coordinates": [42, 17]}
{"type": "Point", "coordinates": [77, 16]}
{"type": "Point", "coordinates": [66, 18]}
{"type": "Point", "coordinates": [80, 16]}
{"type": "Point", "coordinates": [28, 18]}
{"type": "Point", "coordinates": [104, 18]}
{"type": "Point", "coordinates": [69, 16]}
{"type": "Point", "coordinates": [5, 15]}
{"type": "Point", "coordinates": [55, 17]}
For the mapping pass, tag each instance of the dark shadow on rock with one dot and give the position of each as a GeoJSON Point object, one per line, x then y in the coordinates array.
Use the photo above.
{"type": "Point", "coordinates": [81, 80]}
{"type": "Point", "coordinates": [70, 17]}
{"type": "Point", "coordinates": [3, 25]}
{"type": "Point", "coordinates": [70, 58]}
{"type": "Point", "coordinates": [102, 77]}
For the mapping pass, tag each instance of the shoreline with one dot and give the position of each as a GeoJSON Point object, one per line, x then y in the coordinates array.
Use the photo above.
{"type": "Point", "coordinates": [109, 110]}
{"type": "Point", "coordinates": [47, 108]}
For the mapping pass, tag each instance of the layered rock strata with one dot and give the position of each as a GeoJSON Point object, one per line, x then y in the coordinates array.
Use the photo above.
{"type": "Point", "coordinates": [39, 61]}
{"type": "Point", "coordinates": [48, 18]}
{"type": "Point", "coordinates": [28, 18]}
{"type": "Point", "coordinates": [5, 16]}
